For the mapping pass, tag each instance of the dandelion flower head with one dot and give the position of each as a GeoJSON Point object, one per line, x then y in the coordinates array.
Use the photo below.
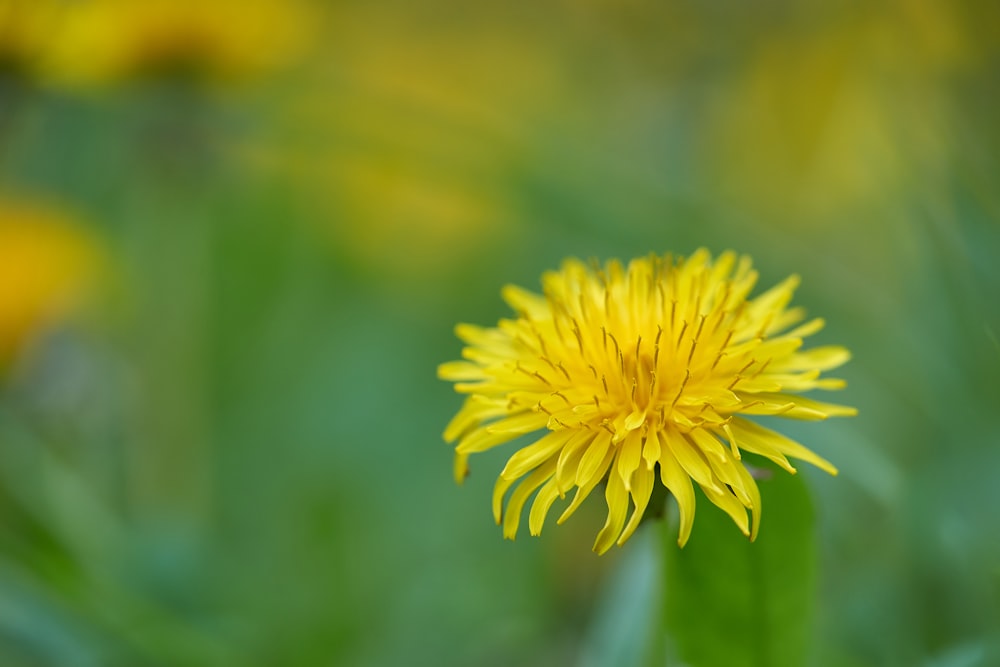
{"type": "Point", "coordinates": [637, 375]}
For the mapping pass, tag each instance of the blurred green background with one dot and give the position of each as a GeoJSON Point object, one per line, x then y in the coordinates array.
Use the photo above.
{"type": "Point", "coordinates": [235, 238]}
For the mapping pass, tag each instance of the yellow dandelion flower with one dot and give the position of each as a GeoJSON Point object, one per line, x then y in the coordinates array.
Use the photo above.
{"type": "Point", "coordinates": [48, 264]}
{"type": "Point", "coordinates": [636, 373]}
{"type": "Point", "coordinates": [109, 41]}
{"type": "Point", "coordinates": [25, 28]}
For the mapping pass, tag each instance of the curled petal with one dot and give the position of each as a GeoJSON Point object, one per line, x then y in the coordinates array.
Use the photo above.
{"type": "Point", "coordinates": [617, 497]}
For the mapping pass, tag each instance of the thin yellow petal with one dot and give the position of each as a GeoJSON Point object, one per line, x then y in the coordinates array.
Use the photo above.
{"type": "Point", "coordinates": [482, 336]}
{"type": "Point", "coordinates": [778, 296]}
{"type": "Point", "coordinates": [731, 505]}
{"type": "Point", "coordinates": [569, 459]}
{"type": "Point", "coordinates": [831, 384]}
{"type": "Point", "coordinates": [721, 267]}
{"type": "Point", "coordinates": [500, 488]}
{"type": "Point", "coordinates": [630, 457]}
{"type": "Point", "coordinates": [617, 498]}
{"type": "Point", "coordinates": [734, 447]}
{"type": "Point", "coordinates": [535, 454]}
{"type": "Point", "coordinates": [592, 462]}
{"type": "Point", "coordinates": [635, 420]}
{"type": "Point", "coordinates": [791, 382]}
{"type": "Point", "coordinates": [689, 456]}
{"type": "Point", "coordinates": [642, 488]}
{"type": "Point", "coordinates": [584, 490]}
{"type": "Point", "coordinates": [792, 406]}
{"type": "Point", "coordinates": [809, 328]}
{"type": "Point", "coordinates": [762, 383]}
{"type": "Point", "coordinates": [777, 348]}
{"type": "Point", "coordinates": [525, 422]}
{"type": "Point", "coordinates": [708, 443]}
{"type": "Point", "coordinates": [481, 439]}
{"type": "Point", "coordinates": [784, 320]}
{"type": "Point", "coordinates": [512, 513]}
{"type": "Point", "coordinates": [475, 410]}
{"type": "Point", "coordinates": [759, 440]}
{"type": "Point", "coordinates": [821, 358]}
{"type": "Point", "coordinates": [651, 450]}
{"type": "Point", "coordinates": [678, 482]}
{"type": "Point", "coordinates": [523, 301]}
{"type": "Point", "coordinates": [540, 506]}
{"type": "Point", "coordinates": [750, 485]}
{"type": "Point", "coordinates": [461, 371]}
{"type": "Point", "coordinates": [728, 472]}
{"type": "Point", "coordinates": [757, 446]}
{"type": "Point", "coordinates": [461, 466]}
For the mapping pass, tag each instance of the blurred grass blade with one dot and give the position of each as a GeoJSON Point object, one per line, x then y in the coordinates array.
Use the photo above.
{"type": "Point", "coordinates": [733, 603]}
{"type": "Point", "coordinates": [624, 627]}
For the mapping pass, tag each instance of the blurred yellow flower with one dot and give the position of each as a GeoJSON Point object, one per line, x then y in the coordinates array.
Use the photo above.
{"type": "Point", "coordinates": [414, 136]}
{"type": "Point", "coordinates": [223, 40]}
{"type": "Point", "coordinates": [411, 221]}
{"type": "Point", "coordinates": [47, 265]}
{"type": "Point", "coordinates": [638, 371]}
{"type": "Point", "coordinates": [26, 28]}
{"type": "Point", "coordinates": [822, 120]}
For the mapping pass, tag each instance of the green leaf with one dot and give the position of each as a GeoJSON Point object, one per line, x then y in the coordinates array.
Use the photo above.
{"type": "Point", "coordinates": [625, 623]}
{"type": "Point", "coordinates": [733, 603]}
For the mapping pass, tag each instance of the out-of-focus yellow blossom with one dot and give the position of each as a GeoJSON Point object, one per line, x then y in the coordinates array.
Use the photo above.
{"type": "Point", "coordinates": [105, 41]}
{"type": "Point", "coordinates": [415, 135]}
{"type": "Point", "coordinates": [822, 120]}
{"type": "Point", "coordinates": [404, 220]}
{"type": "Point", "coordinates": [628, 374]}
{"type": "Point", "coordinates": [48, 265]}
{"type": "Point", "coordinates": [26, 29]}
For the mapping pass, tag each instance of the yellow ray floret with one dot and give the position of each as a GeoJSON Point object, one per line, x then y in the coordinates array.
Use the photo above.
{"type": "Point", "coordinates": [637, 374]}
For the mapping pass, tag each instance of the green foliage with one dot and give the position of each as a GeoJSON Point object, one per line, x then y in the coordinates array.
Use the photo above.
{"type": "Point", "coordinates": [732, 603]}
